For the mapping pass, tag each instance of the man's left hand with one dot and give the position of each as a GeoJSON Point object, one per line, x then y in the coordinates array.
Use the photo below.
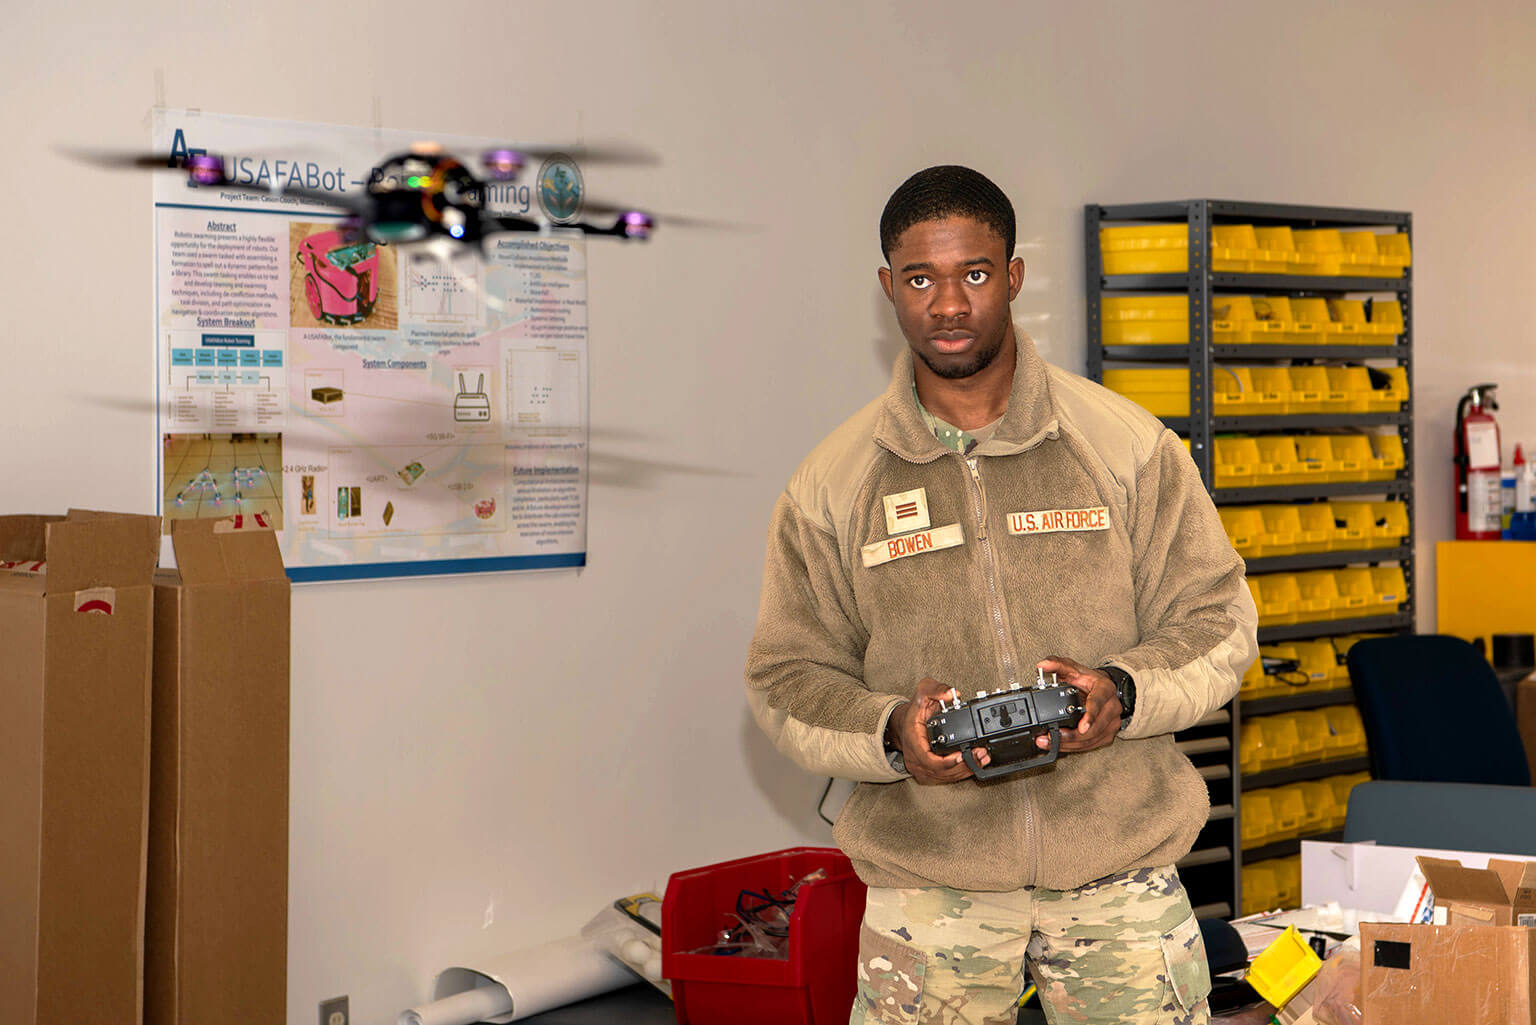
{"type": "Point", "coordinates": [1101, 715]}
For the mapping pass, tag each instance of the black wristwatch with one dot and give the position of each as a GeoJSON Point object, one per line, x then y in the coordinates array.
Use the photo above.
{"type": "Point", "coordinates": [1125, 690]}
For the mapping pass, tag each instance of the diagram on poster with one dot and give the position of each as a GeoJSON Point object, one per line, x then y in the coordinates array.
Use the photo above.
{"type": "Point", "coordinates": [388, 411]}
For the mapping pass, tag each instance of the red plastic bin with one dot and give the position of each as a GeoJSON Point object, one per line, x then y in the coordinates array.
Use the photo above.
{"type": "Point", "coordinates": [814, 986]}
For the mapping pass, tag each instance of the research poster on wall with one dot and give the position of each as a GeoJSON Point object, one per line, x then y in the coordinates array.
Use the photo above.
{"type": "Point", "coordinates": [389, 410]}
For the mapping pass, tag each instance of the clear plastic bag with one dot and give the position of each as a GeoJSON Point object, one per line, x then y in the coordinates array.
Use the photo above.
{"type": "Point", "coordinates": [761, 923]}
{"type": "Point", "coordinates": [1338, 989]}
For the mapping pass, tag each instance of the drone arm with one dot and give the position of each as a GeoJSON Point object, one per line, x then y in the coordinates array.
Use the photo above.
{"type": "Point", "coordinates": [500, 223]}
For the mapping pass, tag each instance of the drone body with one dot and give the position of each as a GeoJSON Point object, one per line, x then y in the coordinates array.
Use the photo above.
{"type": "Point", "coordinates": [426, 193]}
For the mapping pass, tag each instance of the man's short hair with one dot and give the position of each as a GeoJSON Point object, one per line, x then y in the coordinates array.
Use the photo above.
{"type": "Point", "coordinates": [947, 190]}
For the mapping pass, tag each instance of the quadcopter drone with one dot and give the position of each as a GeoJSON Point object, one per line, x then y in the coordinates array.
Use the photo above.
{"type": "Point", "coordinates": [427, 194]}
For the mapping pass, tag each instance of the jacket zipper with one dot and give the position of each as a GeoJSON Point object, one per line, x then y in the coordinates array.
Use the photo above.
{"type": "Point", "coordinates": [1005, 646]}
{"type": "Point", "coordinates": [1010, 673]}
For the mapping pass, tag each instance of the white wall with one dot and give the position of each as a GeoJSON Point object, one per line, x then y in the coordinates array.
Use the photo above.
{"type": "Point", "coordinates": [420, 795]}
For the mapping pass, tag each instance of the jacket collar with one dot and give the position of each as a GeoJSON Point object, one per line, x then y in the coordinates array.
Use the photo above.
{"type": "Point", "coordinates": [1029, 419]}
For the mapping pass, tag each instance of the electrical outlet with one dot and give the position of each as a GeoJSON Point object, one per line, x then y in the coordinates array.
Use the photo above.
{"type": "Point", "coordinates": [334, 1011]}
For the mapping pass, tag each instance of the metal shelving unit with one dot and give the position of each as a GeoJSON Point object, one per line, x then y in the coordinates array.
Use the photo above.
{"type": "Point", "coordinates": [1215, 877]}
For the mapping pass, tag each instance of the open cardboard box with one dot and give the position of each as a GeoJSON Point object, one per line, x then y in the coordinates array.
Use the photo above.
{"type": "Point", "coordinates": [74, 757]}
{"type": "Point", "coordinates": [1504, 893]}
{"type": "Point", "coordinates": [1478, 967]}
{"type": "Point", "coordinates": [217, 929]}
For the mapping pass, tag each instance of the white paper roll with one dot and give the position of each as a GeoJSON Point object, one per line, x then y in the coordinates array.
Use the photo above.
{"type": "Point", "coordinates": [461, 1008]}
{"type": "Point", "coordinates": [525, 982]}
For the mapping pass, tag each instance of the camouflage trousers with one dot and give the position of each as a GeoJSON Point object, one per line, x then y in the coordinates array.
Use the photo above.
{"type": "Point", "coordinates": [1121, 950]}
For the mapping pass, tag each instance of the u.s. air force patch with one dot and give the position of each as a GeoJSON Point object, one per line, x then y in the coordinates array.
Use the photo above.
{"type": "Point", "coordinates": [1050, 521]}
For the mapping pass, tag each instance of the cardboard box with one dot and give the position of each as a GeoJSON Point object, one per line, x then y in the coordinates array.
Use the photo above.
{"type": "Point", "coordinates": [1504, 893]}
{"type": "Point", "coordinates": [74, 758]}
{"type": "Point", "coordinates": [217, 929]}
{"type": "Point", "coordinates": [1414, 974]}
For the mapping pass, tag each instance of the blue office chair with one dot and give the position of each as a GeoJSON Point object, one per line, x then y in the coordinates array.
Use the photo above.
{"type": "Point", "coordinates": [1433, 710]}
{"type": "Point", "coordinates": [1448, 816]}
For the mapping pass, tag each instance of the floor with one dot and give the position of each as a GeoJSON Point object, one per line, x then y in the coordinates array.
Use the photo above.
{"type": "Point", "coordinates": [213, 476]}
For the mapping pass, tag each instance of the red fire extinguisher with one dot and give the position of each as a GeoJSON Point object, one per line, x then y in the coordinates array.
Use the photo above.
{"type": "Point", "coordinates": [1479, 499]}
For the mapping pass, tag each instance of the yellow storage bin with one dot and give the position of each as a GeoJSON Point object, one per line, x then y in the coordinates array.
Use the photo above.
{"type": "Point", "coordinates": [1236, 461]}
{"type": "Point", "coordinates": [1318, 384]}
{"type": "Point", "coordinates": [1354, 524]}
{"type": "Point", "coordinates": [1294, 329]}
{"type": "Point", "coordinates": [1277, 598]}
{"type": "Point", "coordinates": [1318, 533]}
{"type": "Point", "coordinates": [1357, 592]}
{"type": "Point", "coordinates": [1249, 391]}
{"type": "Point", "coordinates": [1309, 388]}
{"type": "Point", "coordinates": [1244, 525]}
{"type": "Point", "coordinates": [1282, 529]}
{"type": "Point", "coordinates": [1352, 387]}
{"type": "Point", "coordinates": [1318, 663]}
{"type": "Point", "coordinates": [1353, 456]}
{"type": "Point", "coordinates": [1351, 326]}
{"type": "Point", "coordinates": [1312, 324]}
{"type": "Point", "coordinates": [1390, 523]}
{"type": "Point", "coordinates": [1387, 317]}
{"type": "Point", "coordinates": [1145, 249]}
{"type": "Point", "coordinates": [1275, 384]}
{"type": "Point", "coordinates": [1320, 597]}
{"type": "Point", "coordinates": [1394, 250]}
{"type": "Point", "coordinates": [1316, 455]}
{"type": "Point", "coordinates": [1377, 256]}
{"type": "Point", "coordinates": [1236, 249]}
{"type": "Point", "coordinates": [1312, 728]}
{"type": "Point", "coordinates": [1347, 732]}
{"type": "Point", "coordinates": [1388, 389]}
{"type": "Point", "coordinates": [1161, 391]}
{"type": "Point", "coordinates": [1289, 809]}
{"type": "Point", "coordinates": [1146, 319]}
{"type": "Point", "coordinates": [1280, 244]}
{"type": "Point", "coordinates": [1234, 321]}
{"type": "Point", "coordinates": [1258, 826]}
{"type": "Point", "coordinates": [1284, 967]}
{"type": "Point", "coordinates": [1260, 890]}
{"type": "Point", "coordinates": [1391, 588]}
{"type": "Point", "coordinates": [1281, 738]}
{"type": "Point", "coordinates": [1323, 812]}
{"type": "Point", "coordinates": [1283, 681]}
{"type": "Point", "coordinates": [1387, 457]}
{"type": "Point", "coordinates": [1278, 464]}
{"type": "Point", "coordinates": [1264, 746]}
{"type": "Point", "coordinates": [1322, 252]}
{"type": "Point", "coordinates": [1288, 881]}
{"type": "Point", "coordinates": [1251, 752]}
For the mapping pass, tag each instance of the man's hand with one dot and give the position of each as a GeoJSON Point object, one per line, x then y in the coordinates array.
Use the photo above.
{"type": "Point", "coordinates": [909, 729]}
{"type": "Point", "coordinates": [1101, 716]}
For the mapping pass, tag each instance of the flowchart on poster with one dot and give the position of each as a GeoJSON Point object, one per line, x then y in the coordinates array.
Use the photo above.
{"type": "Point", "coordinates": [408, 411]}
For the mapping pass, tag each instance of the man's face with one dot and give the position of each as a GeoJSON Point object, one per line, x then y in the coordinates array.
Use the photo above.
{"type": "Point", "coordinates": [951, 284]}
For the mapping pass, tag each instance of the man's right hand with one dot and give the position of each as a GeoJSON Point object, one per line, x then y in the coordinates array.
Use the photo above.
{"type": "Point", "coordinates": [909, 729]}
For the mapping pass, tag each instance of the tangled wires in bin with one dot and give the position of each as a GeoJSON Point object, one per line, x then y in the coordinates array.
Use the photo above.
{"type": "Point", "coordinates": [761, 926]}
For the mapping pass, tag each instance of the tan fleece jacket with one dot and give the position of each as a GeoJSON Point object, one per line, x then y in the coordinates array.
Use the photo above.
{"type": "Point", "coordinates": [843, 636]}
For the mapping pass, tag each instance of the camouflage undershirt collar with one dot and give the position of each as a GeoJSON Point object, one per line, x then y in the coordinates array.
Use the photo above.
{"type": "Point", "coordinates": [950, 436]}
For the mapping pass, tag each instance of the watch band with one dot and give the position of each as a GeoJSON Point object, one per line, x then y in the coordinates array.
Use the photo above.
{"type": "Point", "coordinates": [1125, 690]}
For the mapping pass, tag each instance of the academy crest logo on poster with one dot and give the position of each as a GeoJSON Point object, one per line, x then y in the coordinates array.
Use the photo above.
{"type": "Point", "coordinates": [560, 189]}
